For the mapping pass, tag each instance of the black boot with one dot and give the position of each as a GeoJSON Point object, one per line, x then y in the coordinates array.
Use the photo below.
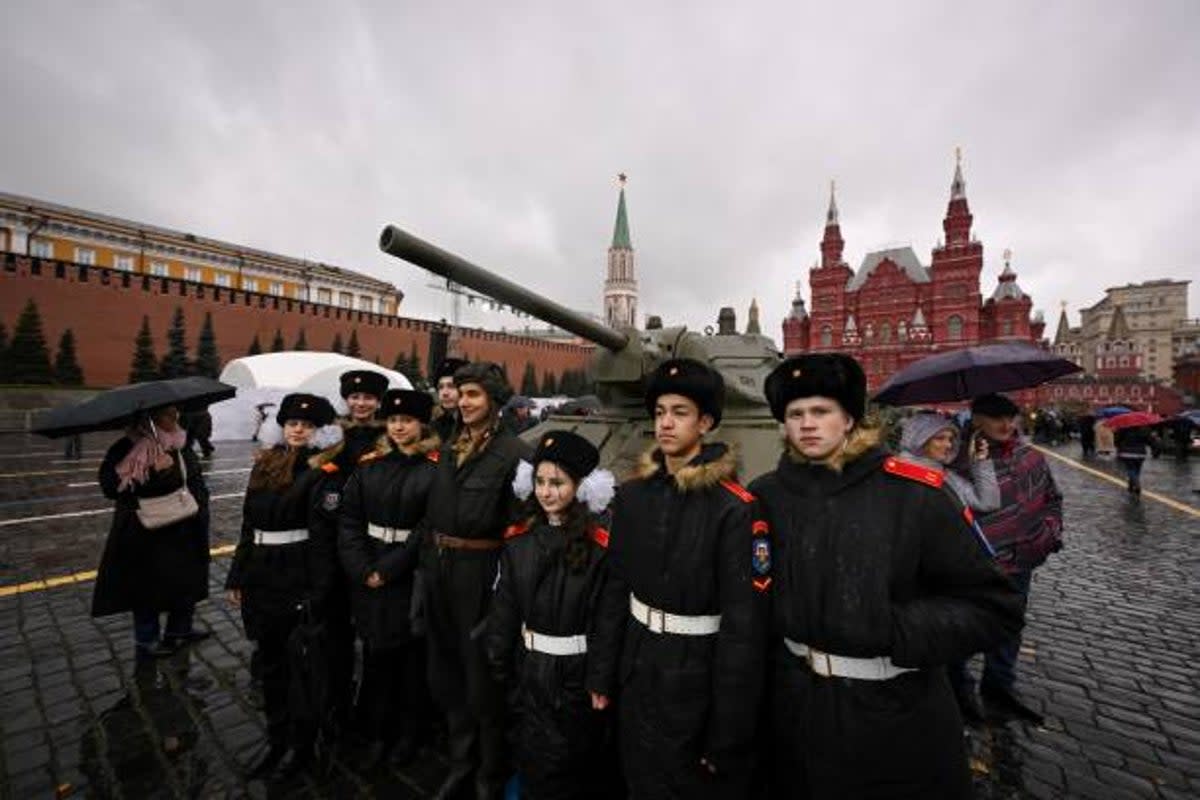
{"type": "Point", "coordinates": [457, 784]}
{"type": "Point", "coordinates": [968, 706]}
{"type": "Point", "coordinates": [1005, 704]}
{"type": "Point", "coordinates": [378, 755]}
{"type": "Point", "coordinates": [269, 761]}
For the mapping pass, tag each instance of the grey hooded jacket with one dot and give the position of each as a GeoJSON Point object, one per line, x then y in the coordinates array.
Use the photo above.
{"type": "Point", "coordinates": [980, 490]}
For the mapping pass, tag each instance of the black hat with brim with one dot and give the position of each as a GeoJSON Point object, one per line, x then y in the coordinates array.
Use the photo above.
{"type": "Point", "coordinates": [363, 381]}
{"type": "Point", "coordinates": [575, 454]}
{"type": "Point", "coordinates": [308, 407]}
{"type": "Point", "coordinates": [833, 375]}
{"type": "Point", "coordinates": [693, 379]}
{"type": "Point", "coordinates": [408, 402]}
{"type": "Point", "coordinates": [994, 405]}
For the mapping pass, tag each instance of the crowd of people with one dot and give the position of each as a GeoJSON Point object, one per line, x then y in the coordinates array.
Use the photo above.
{"type": "Point", "coordinates": [677, 635]}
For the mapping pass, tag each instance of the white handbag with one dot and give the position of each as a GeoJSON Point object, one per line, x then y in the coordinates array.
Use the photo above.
{"type": "Point", "coordinates": [159, 512]}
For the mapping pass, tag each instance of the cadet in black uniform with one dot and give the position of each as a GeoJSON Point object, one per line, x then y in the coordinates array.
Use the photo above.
{"type": "Point", "coordinates": [283, 561]}
{"type": "Point", "coordinates": [684, 541]}
{"type": "Point", "coordinates": [471, 505]}
{"type": "Point", "coordinates": [879, 583]}
{"type": "Point", "coordinates": [378, 544]}
{"type": "Point", "coordinates": [445, 416]}
{"type": "Point", "coordinates": [557, 619]}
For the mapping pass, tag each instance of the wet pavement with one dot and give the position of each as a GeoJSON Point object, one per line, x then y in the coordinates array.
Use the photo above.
{"type": "Point", "coordinates": [1109, 656]}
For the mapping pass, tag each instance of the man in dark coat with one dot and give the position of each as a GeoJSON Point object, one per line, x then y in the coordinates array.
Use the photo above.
{"type": "Point", "coordinates": [470, 506]}
{"type": "Point", "coordinates": [445, 416]}
{"type": "Point", "coordinates": [1087, 435]}
{"type": "Point", "coordinates": [878, 584]}
{"type": "Point", "coordinates": [687, 550]}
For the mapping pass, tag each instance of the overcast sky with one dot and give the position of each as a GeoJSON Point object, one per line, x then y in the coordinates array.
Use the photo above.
{"type": "Point", "coordinates": [497, 129]}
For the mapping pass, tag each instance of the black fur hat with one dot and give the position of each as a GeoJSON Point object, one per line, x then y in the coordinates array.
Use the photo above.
{"type": "Point", "coordinates": [834, 375]}
{"type": "Point", "coordinates": [575, 454]}
{"type": "Point", "coordinates": [447, 368]}
{"type": "Point", "coordinates": [310, 407]}
{"type": "Point", "coordinates": [409, 402]}
{"type": "Point", "coordinates": [487, 375]}
{"type": "Point", "coordinates": [994, 405]}
{"type": "Point", "coordinates": [693, 379]}
{"type": "Point", "coordinates": [365, 381]}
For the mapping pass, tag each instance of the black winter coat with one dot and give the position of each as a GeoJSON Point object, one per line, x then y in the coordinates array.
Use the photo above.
{"type": "Point", "coordinates": [558, 735]}
{"type": "Point", "coordinates": [274, 579]}
{"type": "Point", "coordinates": [868, 563]}
{"type": "Point", "coordinates": [160, 569]}
{"type": "Point", "coordinates": [684, 544]}
{"type": "Point", "coordinates": [389, 488]}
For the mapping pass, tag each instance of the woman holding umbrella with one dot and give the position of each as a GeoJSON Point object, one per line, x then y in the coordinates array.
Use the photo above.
{"type": "Point", "coordinates": [154, 564]}
{"type": "Point", "coordinates": [278, 567]}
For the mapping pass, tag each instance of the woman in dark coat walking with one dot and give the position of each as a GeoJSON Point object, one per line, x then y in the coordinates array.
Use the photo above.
{"type": "Point", "coordinates": [153, 571]}
{"type": "Point", "coordinates": [878, 584]}
{"type": "Point", "coordinates": [556, 621]}
{"type": "Point", "coordinates": [283, 561]}
{"type": "Point", "coordinates": [378, 544]}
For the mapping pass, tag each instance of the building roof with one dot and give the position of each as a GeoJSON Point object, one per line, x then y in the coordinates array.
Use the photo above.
{"type": "Point", "coordinates": [1007, 288]}
{"type": "Point", "coordinates": [620, 240]}
{"type": "Point", "coordinates": [1118, 328]}
{"type": "Point", "coordinates": [903, 257]}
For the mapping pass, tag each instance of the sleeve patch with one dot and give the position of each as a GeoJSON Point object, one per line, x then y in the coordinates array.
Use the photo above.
{"type": "Point", "coordinates": [331, 500]}
{"type": "Point", "coordinates": [738, 491]}
{"type": "Point", "coordinates": [516, 529]}
{"type": "Point", "coordinates": [760, 528]}
{"type": "Point", "coordinates": [914, 472]}
{"type": "Point", "coordinates": [760, 556]}
{"type": "Point", "coordinates": [600, 536]}
{"type": "Point", "coordinates": [761, 584]}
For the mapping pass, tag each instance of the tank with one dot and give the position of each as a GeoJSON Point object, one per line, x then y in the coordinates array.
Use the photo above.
{"type": "Point", "coordinates": [624, 358]}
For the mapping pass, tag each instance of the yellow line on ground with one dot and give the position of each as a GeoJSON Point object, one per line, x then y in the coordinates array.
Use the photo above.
{"type": "Point", "coordinates": [81, 577]}
{"type": "Point", "coordinates": [1166, 501]}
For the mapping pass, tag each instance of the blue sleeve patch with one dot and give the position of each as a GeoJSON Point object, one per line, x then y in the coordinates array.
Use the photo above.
{"type": "Point", "coordinates": [760, 558]}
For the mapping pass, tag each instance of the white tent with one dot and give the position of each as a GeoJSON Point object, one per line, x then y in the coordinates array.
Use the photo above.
{"type": "Point", "coordinates": [263, 380]}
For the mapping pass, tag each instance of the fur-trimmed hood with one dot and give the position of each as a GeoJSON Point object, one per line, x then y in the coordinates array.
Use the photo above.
{"type": "Point", "coordinates": [717, 462]}
{"type": "Point", "coordinates": [862, 439]}
{"type": "Point", "coordinates": [383, 445]}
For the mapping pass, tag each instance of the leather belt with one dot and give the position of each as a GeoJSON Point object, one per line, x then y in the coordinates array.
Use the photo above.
{"type": "Point", "coordinates": [388, 535]}
{"type": "Point", "coordinates": [445, 540]}
{"type": "Point", "coordinates": [554, 645]}
{"type": "Point", "coordinates": [659, 621]}
{"type": "Point", "coordinates": [280, 537]}
{"type": "Point", "coordinates": [827, 665]}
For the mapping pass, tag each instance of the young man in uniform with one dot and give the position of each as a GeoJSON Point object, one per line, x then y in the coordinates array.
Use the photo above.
{"type": "Point", "coordinates": [470, 505]}
{"type": "Point", "coordinates": [688, 548]}
{"type": "Point", "coordinates": [445, 414]}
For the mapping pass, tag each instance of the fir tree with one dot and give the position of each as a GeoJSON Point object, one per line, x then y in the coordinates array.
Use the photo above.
{"type": "Point", "coordinates": [529, 386]}
{"type": "Point", "coordinates": [301, 342]}
{"type": "Point", "coordinates": [414, 364]}
{"type": "Point", "coordinates": [255, 346]}
{"type": "Point", "coordinates": [66, 364]}
{"type": "Point", "coordinates": [3, 354]}
{"type": "Point", "coordinates": [145, 364]}
{"type": "Point", "coordinates": [549, 384]}
{"type": "Point", "coordinates": [401, 364]}
{"type": "Point", "coordinates": [208, 360]}
{"type": "Point", "coordinates": [277, 345]}
{"type": "Point", "coordinates": [352, 348]}
{"type": "Point", "coordinates": [337, 346]}
{"type": "Point", "coordinates": [175, 361]}
{"type": "Point", "coordinates": [27, 356]}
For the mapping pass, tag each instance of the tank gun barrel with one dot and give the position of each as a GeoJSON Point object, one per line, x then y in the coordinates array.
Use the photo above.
{"type": "Point", "coordinates": [405, 246]}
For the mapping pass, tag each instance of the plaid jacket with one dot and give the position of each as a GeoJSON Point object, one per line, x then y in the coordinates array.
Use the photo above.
{"type": "Point", "coordinates": [1027, 527]}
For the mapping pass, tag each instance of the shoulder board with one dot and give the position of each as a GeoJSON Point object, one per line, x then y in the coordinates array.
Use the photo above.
{"type": "Point", "coordinates": [760, 528]}
{"type": "Point", "coordinates": [914, 472]}
{"type": "Point", "coordinates": [968, 515]}
{"type": "Point", "coordinates": [368, 457]}
{"type": "Point", "coordinates": [516, 529]}
{"type": "Point", "coordinates": [329, 467]}
{"type": "Point", "coordinates": [738, 491]}
{"type": "Point", "coordinates": [434, 455]}
{"type": "Point", "coordinates": [600, 536]}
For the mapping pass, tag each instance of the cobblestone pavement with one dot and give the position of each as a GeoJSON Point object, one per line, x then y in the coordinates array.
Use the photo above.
{"type": "Point", "coordinates": [1109, 655]}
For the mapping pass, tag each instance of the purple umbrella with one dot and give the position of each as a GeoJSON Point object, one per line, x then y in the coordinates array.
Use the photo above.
{"type": "Point", "coordinates": [971, 372]}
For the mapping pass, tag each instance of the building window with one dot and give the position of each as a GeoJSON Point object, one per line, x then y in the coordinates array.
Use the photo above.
{"type": "Point", "coordinates": [40, 248]}
{"type": "Point", "coordinates": [325, 296]}
{"type": "Point", "coordinates": [192, 274]}
{"type": "Point", "coordinates": [159, 269]}
{"type": "Point", "coordinates": [85, 255]}
{"type": "Point", "coordinates": [222, 279]}
{"type": "Point", "coordinates": [885, 333]}
{"type": "Point", "coordinates": [1008, 327]}
{"type": "Point", "coordinates": [277, 289]}
{"type": "Point", "coordinates": [298, 292]}
{"type": "Point", "coordinates": [366, 303]}
{"type": "Point", "coordinates": [123, 262]}
{"type": "Point", "coordinates": [902, 330]}
{"type": "Point", "coordinates": [250, 284]}
{"type": "Point", "coordinates": [345, 300]}
{"type": "Point", "coordinates": [954, 328]}
{"type": "Point", "coordinates": [826, 336]}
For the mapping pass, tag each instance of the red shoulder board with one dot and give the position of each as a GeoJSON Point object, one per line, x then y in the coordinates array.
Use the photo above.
{"type": "Point", "coordinates": [516, 529]}
{"type": "Point", "coordinates": [434, 455]}
{"type": "Point", "coordinates": [968, 515]}
{"type": "Point", "coordinates": [600, 536]}
{"type": "Point", "coordinates": [738, 491]}
{"type": "Point", "coordinates": [368, 457]}
{"type": "Point", "coordinates": [329, 467]}
{"type": "Point", "coordinates": [914, 472]}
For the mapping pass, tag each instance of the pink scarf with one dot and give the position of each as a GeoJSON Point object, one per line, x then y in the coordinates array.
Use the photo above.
{"type": "Point", "coordinates": [135, 467]}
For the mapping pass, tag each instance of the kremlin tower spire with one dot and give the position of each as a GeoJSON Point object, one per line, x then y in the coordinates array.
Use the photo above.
{"type": "Point", "coordinates": [620, 287]}
{"type": "Point", "coordinates": [832, 243]}
{"type": "Point", "coordinates": [957, 224]}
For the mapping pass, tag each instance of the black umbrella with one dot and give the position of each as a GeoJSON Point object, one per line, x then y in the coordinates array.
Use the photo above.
{"type": "Point", "coordinates": [116, 408]}
{"type": "Point", "coordinates": [971, 372]}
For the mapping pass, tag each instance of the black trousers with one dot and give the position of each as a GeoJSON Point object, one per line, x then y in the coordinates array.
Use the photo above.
{"type": "Point", "coordinates": [283, 728]}
{"type": "Point", "coordinates": [394, 694]}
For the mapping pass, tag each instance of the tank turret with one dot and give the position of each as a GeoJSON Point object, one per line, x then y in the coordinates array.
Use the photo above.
{"type": "Point", "coordinates": [623, 360]}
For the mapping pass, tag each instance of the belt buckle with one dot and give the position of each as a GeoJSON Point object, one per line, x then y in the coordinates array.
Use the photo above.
{"type": "Point", "coordinates": [661, 627]}
{"type": "Point", "coordinates": [820, 663]}
{"type": "Point", "coordinates": [527, 635]}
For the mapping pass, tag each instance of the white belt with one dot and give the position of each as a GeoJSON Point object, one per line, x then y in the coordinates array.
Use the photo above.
{"type": "Point", "coordinates": [554, 645]}
{"type": "Point", "coordinates": [388, 535]}
{"type": "Point", "coordinates": [662, 622]}
{"type": "Point", "coordinates": [826, 665]}
{"type": "Point", "coordinates": [281, 537]}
